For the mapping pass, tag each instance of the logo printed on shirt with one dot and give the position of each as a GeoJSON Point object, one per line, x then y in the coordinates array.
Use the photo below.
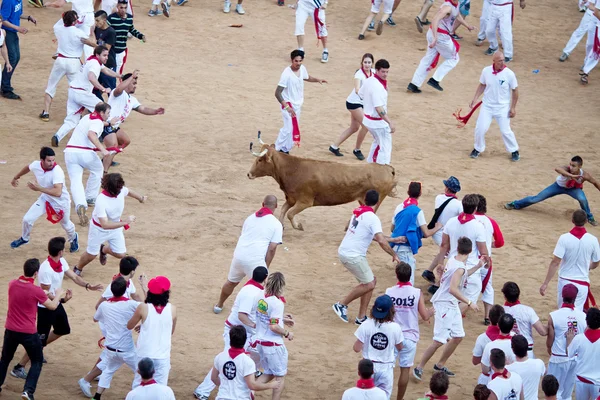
{"type": "Point", "coordinates": [379, 341]}
{"type": "Point", "coordinates": [229, 370]}
{"type": "Point", "coordinates": [572, 325]}
{"type": "Point", "coordinates": [512, 395]}
{"type": "Point", "coordinates": [501, 81]}
{"type": "Point", "coordinates": [262, 307]}
{"type": "Point", "coordinates": [407, 302]}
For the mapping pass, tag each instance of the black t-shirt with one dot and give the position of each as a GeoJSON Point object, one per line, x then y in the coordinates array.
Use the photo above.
{"type": "Point", "coordinates": [107, 36]}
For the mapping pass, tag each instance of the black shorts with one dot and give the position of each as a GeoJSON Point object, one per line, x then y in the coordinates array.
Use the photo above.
{"type": "Point", "coordinates": [56, 320]}
{"type": "Point", "coordinates": [353, 106]}
{"type": "Point", "coordinates": [107, 131]}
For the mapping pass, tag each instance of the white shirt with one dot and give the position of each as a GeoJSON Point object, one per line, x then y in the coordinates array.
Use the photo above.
{"type": "Point", "coordinates": [154, 340]}
{"type": "Point", "coordinates": [525, 317]}
{"type": "Point", "coordinates": [379, 340]}
{"type": "Point", "coordinates": [480, 343]}
{"type": "Point", "coordinates": [232, 372]}
{"type": "Point", "coordinates": [502, 344]}
{"type": "Point", "coordinates": [69, 40]}
{"type": "Point", "coordinates": [447, 23]}
{"type": "Point", "coordinates": [374, 95]}
{"type": "Point", "coordinates": [406, 303]}
{"type": "Point", "coordinates": [364, 394]}
{"type": "Point", "coordinates": [47, 180]}
{"type": "Point", "coordinates": [452, 210]}
{"type": "Point", "coordinates": [587, 356]}
{"type": "Point", "coordinates": [576, 255]}
{"type": "Point", "coordinates": [293, 85]}
{"type": "Point", "coordinates": [2, 35]}
{"type": "Point", "coordinates": [443, 295]}
{"type": "Point", "coordinates": [498, 87]}
{"type": "Point", "coordinates": [473, 229]}
{"type": "Point", "coordinates": [360, 234]}
{"type": "Point", "coordinates": [489, 231]}
{"type": "Point", "coordinates": [564, 319]}
{"type": "Point", "coordinates": [353, 97]}
{"type": "Point", "coordinates": [562, 180]}
{"type": "Point", "coordinates": [257, 234]}
{"type": "Point", "coordinates": [420, 216]}
{"type": "Point", "coordinates": [82, 7]}
{"type": "Point", "coordinates": [128, 291]}
{"type": "Point", "coordinates": [47, 276]}
{"type": "Point", "coordinates": [246, 302]}
{"type": "Point", "coordinates": [531, 372]}
{"type": "Point", "coordinates": [507, 389]}
{"type": "Point", "coordinates": [80, 138]}
{"type": "Point", "coordinates": [121, 106]}
{"type": "Point", "coordinates": [155, 391]}
{"type": "Point", "coordinates": [114, 317]}
{"type": "Point", "coordinates": [269, 311]}
{"type": "Point", "coordinates": [81, 80]}
{"type": "Point", "coordinates": [109, 207]}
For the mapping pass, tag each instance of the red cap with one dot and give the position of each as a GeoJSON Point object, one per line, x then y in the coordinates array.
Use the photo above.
{"type": "Point", "coordinates": [569, 291]}
{"type": "Point", "coordinates": [159, 285]}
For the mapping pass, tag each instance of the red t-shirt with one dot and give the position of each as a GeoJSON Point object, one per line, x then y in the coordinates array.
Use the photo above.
{"type": "Point", "coordinates": [23, 298]}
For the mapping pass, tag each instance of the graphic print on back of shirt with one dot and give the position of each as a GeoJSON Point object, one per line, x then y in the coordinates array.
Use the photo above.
{"type": "Point", "coordinates": [379, 341]}
{"type": "Point", "coordinates": [229, 370]}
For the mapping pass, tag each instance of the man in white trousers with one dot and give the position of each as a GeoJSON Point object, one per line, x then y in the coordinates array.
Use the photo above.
{"type": "Point", "coordinates": [485, 14]}
{"type": "Point", "coordinates": [498, 84]}
{"type": "Point", "coordinates": [440, 43]}
{"type": "Point", "coordinates": [290, 95]}
{"type": "Point", "coordinates": [592, 48]}
{"type": "Point", "coordinates": [501, 14]}
{"type": "Point", "coordinates": [80, 95]}
{"type": "Point", "coordinates": [376, 119]}
{"type": "Point", "coordinates": [586, 25]}
{"type": "Point", "coordinates": [54, 200]}
{"type": "Point", "coordinates": [80, 154]}
{"type": "Point", "coordinates": [85, 21]}
{"type": "Point", "coordinates": [315, 9]}
{"type": "Point", "coordinates": [68, 55]}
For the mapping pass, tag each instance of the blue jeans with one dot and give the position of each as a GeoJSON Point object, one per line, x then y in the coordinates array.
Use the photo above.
{"type": "Point", "coordinates": [405, 254]}
{"type": "Point", "coordinates": [14, 55]}
{"type": "Point", "coordinates": [554, 190]}
{"type": "Point", "coordinates": [33, 347]}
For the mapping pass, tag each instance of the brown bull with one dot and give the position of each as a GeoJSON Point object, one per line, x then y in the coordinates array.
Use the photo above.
{"type": "Point", "coordinates": [308, 183]}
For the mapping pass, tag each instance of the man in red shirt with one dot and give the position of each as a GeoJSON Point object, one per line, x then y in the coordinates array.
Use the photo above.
{"type": "Point", "coordinates": [20, 327]}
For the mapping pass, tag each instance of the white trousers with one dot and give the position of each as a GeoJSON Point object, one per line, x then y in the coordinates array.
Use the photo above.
{"type": "Point", "coordinates": [86, 22]}
{"type": "Point", "coordinates": [384, 377]}
{"type": "Point", "coordinates": [485, 14]}
{"type": "Point", "coordinates": [62, 66]}
{"type": "Point", "coordinates": [586, 391]}
{"type": "Point", "coordinates": [582, 293]}
{"type": "Point", "coordinates": [76, 162]}
{"type": "Point", "coordinates": [387, 6]}
{"type": "Point", "coordinates": [77, 101]}
{"type": "Point", "coordinates": [501, 18]}
{"type": "Point", "coordinates": [381, 148]}
{"type": "Point", "coordinates": [484, 120]}
{"type": "Point", "coordinates": [285, 139]}
{"type": "Point", "coordinates": [38, 209]}
{"type": "Point", "coordinates": [565, 374]}
{"type": "Point", "coordinates": [587, 22]}
{"type": "Point", "coordinates": [98, 236]}
{"type": "Point", "coordinates": [303, 12]}
{"type": "Point", "coordinates": [590, 59]}
{"type": "Point", "coordinates": [488, 293]}
{"type": "Point", "coordinates": [111, 362]}
{"type": "Point", "coordinates": [161, 372]}
{"type": "Point", "coordinates": [121, 59]}
{"type": "Point", "coordinates": [445, 48]}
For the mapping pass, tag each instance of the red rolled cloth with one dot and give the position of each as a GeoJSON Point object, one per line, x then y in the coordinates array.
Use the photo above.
{"type": "Point", "coordinates": [465, 118]}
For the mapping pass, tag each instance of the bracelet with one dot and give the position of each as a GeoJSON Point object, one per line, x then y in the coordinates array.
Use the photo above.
{"type": "Point", "coordinates": [469, 303]}
{"type": "Point", "coordinates": [28, 18]}
{"type": "Point", "coordinates": [63, 301]}
{"type": "Point", "coordinates": [87, 286]}
{"type": "Point", "coordinates": [287, 334]}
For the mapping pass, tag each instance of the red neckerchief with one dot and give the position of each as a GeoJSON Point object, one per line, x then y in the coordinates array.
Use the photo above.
{"type": "Point", "coordinates": [432, 396]}
{"type": "Point", "coordinates": [592, 334]}
{"type": "Point", "coordinates": [384, 83]}
{"type": "Point", "coordinates": [233, 353]}
{"type": "Point", "coordinates": [118, 299]}
{"type": "Point", "coordinates": [400, 284]}
{"type": "Point", "coordinates": [92, 57]}
{"type": "Point", "coordinates": [47, 170]}
{"type": "Point", "coordinates": [118, 275]}
{"type": "Point", "coordinates": [452, 2]}
{"type": "Point", "coordinates": [496, 71]}
{"type": "Point", "coordinates": [410, 201]}
{"type": "Point", "coordinates": [263, 211]}
{"type": "Point", "coordinates": [578, 232]}
{"type": "Point", "coordinates": [279, 297]}
{"type": "Point", "coordinates": [502, 336]}
{"type": "Point", "coordinates": [363, 71]}
{"type": "Point", "coordinates": [95, 115]}
{"type": "Point", "coordinates": [254, 283]}
{"type": "Point", "coordinates": [365, 383]}
{"type": "Point", "coordinates": [450, 195]}
{"type": "Point", "coordinates": [105, 192]}
{"type": "Point", "coordinates": [26, 279]}
{"type": "Point", "coordinates": [492, 332]}
{"type": "Point", "coordinates": [508, 304]}
{"type": "Point", "coordinates": [361, 210]}
{"type": "Point", "coordinates": [159, 309]}
{"type": "Point", "coordinates": [56, 266]}
{"type": "Point", "coordinates": [503, 374]}
{"type": "Point", "coordinates": [567, 305]}
{"type": "Point", "coordinates": [150, 382]}
{"type": "Point", "coordinates": [464, 218]}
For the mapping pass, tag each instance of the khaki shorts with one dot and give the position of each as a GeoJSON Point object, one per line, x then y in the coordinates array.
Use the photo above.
{"type": "Point", "coordinates": [359, 267]}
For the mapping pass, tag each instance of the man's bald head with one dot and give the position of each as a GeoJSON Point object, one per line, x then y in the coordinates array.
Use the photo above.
{"type": "Point", "coordinates": [499, 55]}
{"type": "Point", "coordinates": [270, 202]}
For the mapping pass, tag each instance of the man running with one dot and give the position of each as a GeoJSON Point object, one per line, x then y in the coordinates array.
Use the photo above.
{"type": "Point", "coordinates": [314, 9]}
{"type": "Point", "coordinates": [501, 15]}
{"type": "Point", "coordinates": [122, 23]}
{"type": "Point", "coordinates": [85, 22]}
{"type": "Point", "coordinates": [587, 23]}
{"type": "Point", "coordinates": [592, 54]}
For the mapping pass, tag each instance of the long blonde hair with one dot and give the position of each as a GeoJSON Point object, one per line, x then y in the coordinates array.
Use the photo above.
{"type": "Point", "coordinates": [275, 284]}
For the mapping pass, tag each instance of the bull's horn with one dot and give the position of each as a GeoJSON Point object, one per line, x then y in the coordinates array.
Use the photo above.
{"type": "Point", "coordinates": [262, 153]}
{"type": "Point", "coordinates": [259, 139]}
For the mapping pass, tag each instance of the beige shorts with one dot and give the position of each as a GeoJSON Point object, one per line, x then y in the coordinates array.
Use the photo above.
{"type": "Point", "coordinates": [359, 267]}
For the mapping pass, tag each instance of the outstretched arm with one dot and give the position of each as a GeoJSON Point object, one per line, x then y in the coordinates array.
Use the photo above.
{"type": "Point", "coordinates": [150, 111]}
{"type": "Point", "coordinates": [23, 171]}
{"type": "Point", "coordinates": [317, 80]}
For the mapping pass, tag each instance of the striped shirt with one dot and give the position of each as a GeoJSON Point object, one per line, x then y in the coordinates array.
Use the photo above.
{"type": "Point", "coordinates": [122, 27]}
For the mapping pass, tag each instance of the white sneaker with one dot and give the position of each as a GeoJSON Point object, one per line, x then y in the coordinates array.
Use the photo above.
{"type": "Point", "coordinates": [227, 6]}
{"type": "Point", "coordinates": [86, 388]}
{"type": "Point", "coordinates": [217, 310]}
{"type": "Point", "coordinates": [200, 396]}
{"type": "Point", "coordinates": [239, 9]}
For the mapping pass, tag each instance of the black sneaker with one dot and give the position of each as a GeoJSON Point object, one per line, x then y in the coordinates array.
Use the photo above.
{"type": "Point", "coordinates": [418, 373]}
{"type": "Point", "coordinates": [361, 37]}
{"type": "Point", "coordinates": [54, 141]}
{"type": "Point", "coordinates": [390, 21]}
{"type": "Point", "coordinates": [337, 152]}
{"type": "Point", "coordinates": [44, 116]}
{"type": "Point", "coordinates": [435, 84]}
{"type": "Point", "coordinates": [456, 37]}
{"type": "Point", "coordinates": [487, 322]}
{"type": "Point", "coordinates": [432, 289]}
{"type": "Point", "coordinates": [284, 152]}
{"type": "Point", "coordinates": [507, 59]}
{"type": "Point", "coordinates": [11, 96]}
{"type": "Point", "coordinates": [341, 311]}
{"type": "Point", "coordinates": [474, 154]}
{"type": "Point", "coordinates": [359, 321]}
{"type": "Point", "coordinates": [515, 156]}
{"type": "Point", "coordinates": [413, 88]}
{"type": "Point", "coordinates": [428, 276]}
{"type": "Point", "coordinates": [490, 51]}
{"type": "Point", "coordinates": [102, 256]}
{"type": "Point", "coordinates": [358, 154]}
{"type": "Point", "coordinates": [444, 370]}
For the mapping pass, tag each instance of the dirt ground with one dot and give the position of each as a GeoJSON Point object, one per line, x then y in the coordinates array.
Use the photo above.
{"type": "Point", "coordinates": [217, 85]}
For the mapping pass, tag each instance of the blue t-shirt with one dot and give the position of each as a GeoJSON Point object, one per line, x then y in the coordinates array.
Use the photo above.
{"type": "Point", "coordinates": [11, 11]}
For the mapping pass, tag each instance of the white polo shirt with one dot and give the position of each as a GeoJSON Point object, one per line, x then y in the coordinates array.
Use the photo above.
{"type": "Point", "coordinates": [269, 311]}
{"type": "Point", "coordinates": [525, 317]}
{"type": "Point", "coordinates": [531, 372]}
{"type": "Point", "coordinates": [498, 87]}
{"type": "Point", "coordinates": [374, 95]}
{"type": "Point", "coordinates": [379, 340]}
{"type": "Point", "coordinates": [353, 97]}
{"type": "Point", "coordinates": [114, 317]}
{"type": "Point", "coordinates": [586, 349]}
{"type": "Point", "coordinates": [80, 142]}
{"type": "Point", "coordinates": [359, 235]}
{"type": "Point", "coordinates": [507, 389]}
{"type": "Point", "coordinates": [155, 391]}
{"type": "Point", "coordinates": [47, 180]}
{"type": "Point", "coordinates": [502, 344]}
{"type": "Point", "coordinates": [406, 304]}
{"type": "Point", "coordinates": [473, 229]}
{"type": "Point", "coordinates": [109, 207]}
{"type": "Point", "coordinates": [246, 302]}
{"type": "Point", "coordinates": [443, 296]}
{"type": "Point", "coordinates": [452, 210]}
{"type": "Point", "coordinates": [121, 106]}
{"type": "Point", "coordinates": [232, 372]}
{"type": "Point", "coordinates": [564, 319]}
{"type": "Point", "coordinates": [82, 81]}
{"type": "Point", "coordinates": [257, 234]}
{"type": "Point", "coordinates": [293, 85]}
{"type": "Point", "coordinates": [69, 40]}
{"type": "Point", "coordinates": [576, 255]}
{"type": "Point", "coordinates": [356, 393]}
{"type": "Point", "coordinates": [47, 276]}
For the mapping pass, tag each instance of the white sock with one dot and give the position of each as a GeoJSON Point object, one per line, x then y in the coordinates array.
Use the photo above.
{"type": "Point", "coordinates": [325, 50]}
{"type": "Point", "coordinates": [301, 48]}
{"type": "Point", "coordinates": [333, 146]}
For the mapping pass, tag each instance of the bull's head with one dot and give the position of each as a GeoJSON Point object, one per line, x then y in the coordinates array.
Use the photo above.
{"type": "Point", "coordinates": [263, 165]}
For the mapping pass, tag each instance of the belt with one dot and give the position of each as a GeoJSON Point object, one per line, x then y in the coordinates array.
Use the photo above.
{"type": "Point", "coordinates": [76, 88]}
{"type": "Point", "coordinates": [269, 344]}
{"type": "Point", "coordinates": [530, 347]}
{"type": "Point", "coordinates": [70, 146]}
{"type": "Point", "coordinates": [584, 380]}
{"type": "Point", "coordinates": [228, 323]}
{"type": "Point", "coordinates": [63, 56]}
{"type": "Point", "coordinates": [488, 374]}
{"type": "Point", "coordinates": [503, 4]}
{"type": "Point", "coordinates": [114, 350]}
{"type": "Point", "coordinates": [96, 223]}
{"type": "Point", "coordinates": [372, 118]}
{"type": "Point", "coordinates": [560, 355]}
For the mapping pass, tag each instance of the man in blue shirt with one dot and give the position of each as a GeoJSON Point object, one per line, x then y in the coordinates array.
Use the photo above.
{"type": "Point", "coordinates": [12, 14]}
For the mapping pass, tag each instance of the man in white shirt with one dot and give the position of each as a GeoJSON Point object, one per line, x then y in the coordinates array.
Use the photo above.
{"type": "Point", "coordinates": [85, 11]}
{"type": "Point", "coordinates": [559, 323]}
{"type": "Point", "coordinates": [586, 351]}
{"type": "Point", "coordinates": [290, 95]}
{"type": "Point", "coordinates": [504, 385]}
{"type": "Point", "coordinates": [576, 252]}
{"type": "Point", "coordinates": [491, 333]}
{"type": "Point", "coordinates": [364, 227]}
{"type": "Point", "coordinates": [526, 319]}
{"type": "Point", "coordinates": [501, 15]}
{"type": "Point", "coordinates": [149, 389]}
{"type": "Point", "coordinates": [376, 119]}
{"type": "Point", "coordinates": [502, 342]}
{"type": "Point", "coordinates": [587, 22]}
{"type": "Point", "coordinates": [365, 386]}
{"type": "Point", "coordinates": [499, 87]}
{"type": "Point", "coordinates": [531, 370]}
{"type": "Point", "coordinates": [261, 234]}
{"type": "Point", "coordinates": [54, 200]}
